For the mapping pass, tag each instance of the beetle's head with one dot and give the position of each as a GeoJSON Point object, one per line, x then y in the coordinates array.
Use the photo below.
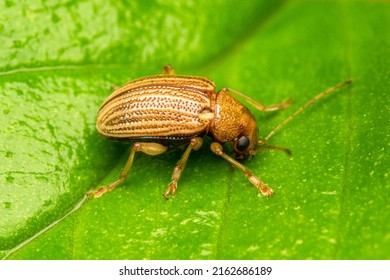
{"type": "Point", "coordinates": [234, 123]}
{"type": "Point", "coordinates": [245, 143]}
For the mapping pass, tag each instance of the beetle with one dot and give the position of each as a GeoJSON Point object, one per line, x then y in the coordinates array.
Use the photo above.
{"type": "Point", "coordinates": [156, 111]}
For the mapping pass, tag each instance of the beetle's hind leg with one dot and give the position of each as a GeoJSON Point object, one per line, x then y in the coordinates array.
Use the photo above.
{"type": "Point", "coordinates": [152, 149]}
{"type": "Point", "coordinates": [195, 144]}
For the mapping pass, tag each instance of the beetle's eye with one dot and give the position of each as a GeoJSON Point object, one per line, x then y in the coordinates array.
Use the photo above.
{"type": "Point", "coordinates": [242, 143]}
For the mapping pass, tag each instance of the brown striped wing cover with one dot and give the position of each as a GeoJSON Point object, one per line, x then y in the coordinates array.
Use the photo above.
{"type": "Point", "coordinates": [157, 107]}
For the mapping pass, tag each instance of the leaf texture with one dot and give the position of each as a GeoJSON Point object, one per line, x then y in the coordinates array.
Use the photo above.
{"type": "Point", "coordinates": [59, 62]}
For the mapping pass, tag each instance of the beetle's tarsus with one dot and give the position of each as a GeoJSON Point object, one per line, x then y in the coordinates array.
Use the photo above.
{"type": "Point", "coordinates": [171, 190]}
{"type": "Point", "coordinates": [99, 192]}
{"type": "Point", "coordinates": [95, 193]}
{"type": "Point", "coordinates": [266, 191]}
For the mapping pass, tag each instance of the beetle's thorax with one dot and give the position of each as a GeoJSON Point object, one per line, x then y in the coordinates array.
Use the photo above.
{"type": "Point", "coordinates": [232, 120]}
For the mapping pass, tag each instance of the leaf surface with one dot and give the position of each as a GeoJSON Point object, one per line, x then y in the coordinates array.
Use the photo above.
{"type": "Point", "coordinates": [59, 62]}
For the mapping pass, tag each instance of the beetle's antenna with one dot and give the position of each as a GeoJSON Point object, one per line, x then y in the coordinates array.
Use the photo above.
{"type": "Point", "coordinates": [310, 102]}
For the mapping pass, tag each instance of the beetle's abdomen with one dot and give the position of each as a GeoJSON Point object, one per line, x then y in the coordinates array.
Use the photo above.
{"type": "Point", "coordinates": [161, 106]}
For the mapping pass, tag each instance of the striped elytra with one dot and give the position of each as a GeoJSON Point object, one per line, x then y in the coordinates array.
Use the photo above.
{"type": "Point", "coordinates": [158, 107]}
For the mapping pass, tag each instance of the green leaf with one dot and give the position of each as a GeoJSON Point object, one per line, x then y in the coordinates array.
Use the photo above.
{"type": "Point", "coordinates": [59, 61]}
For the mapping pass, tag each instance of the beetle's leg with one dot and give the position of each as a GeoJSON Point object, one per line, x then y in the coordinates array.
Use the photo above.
{"type": "Point", "coordinates": [259, 106]}
{"type": "Point", "coordinates": [152, 149]}
{"type": "Point", "coordinates": [264, 189]}
{"type": "Point", "coordinates": [168, 69]}
{"type": "Point", "coordinates": [195, 144]}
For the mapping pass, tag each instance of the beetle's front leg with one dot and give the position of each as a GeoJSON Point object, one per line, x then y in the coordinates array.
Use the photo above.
{"type": "Point", "coordinates": [195, 144]}
{"type": "Point", "coordinates": [264, 189]}
{"type": "Point", "coordinates": [152, 149]}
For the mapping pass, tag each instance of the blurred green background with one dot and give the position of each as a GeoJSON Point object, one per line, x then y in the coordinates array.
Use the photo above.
{"type": "Point", "coordinates": [59, 60]}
